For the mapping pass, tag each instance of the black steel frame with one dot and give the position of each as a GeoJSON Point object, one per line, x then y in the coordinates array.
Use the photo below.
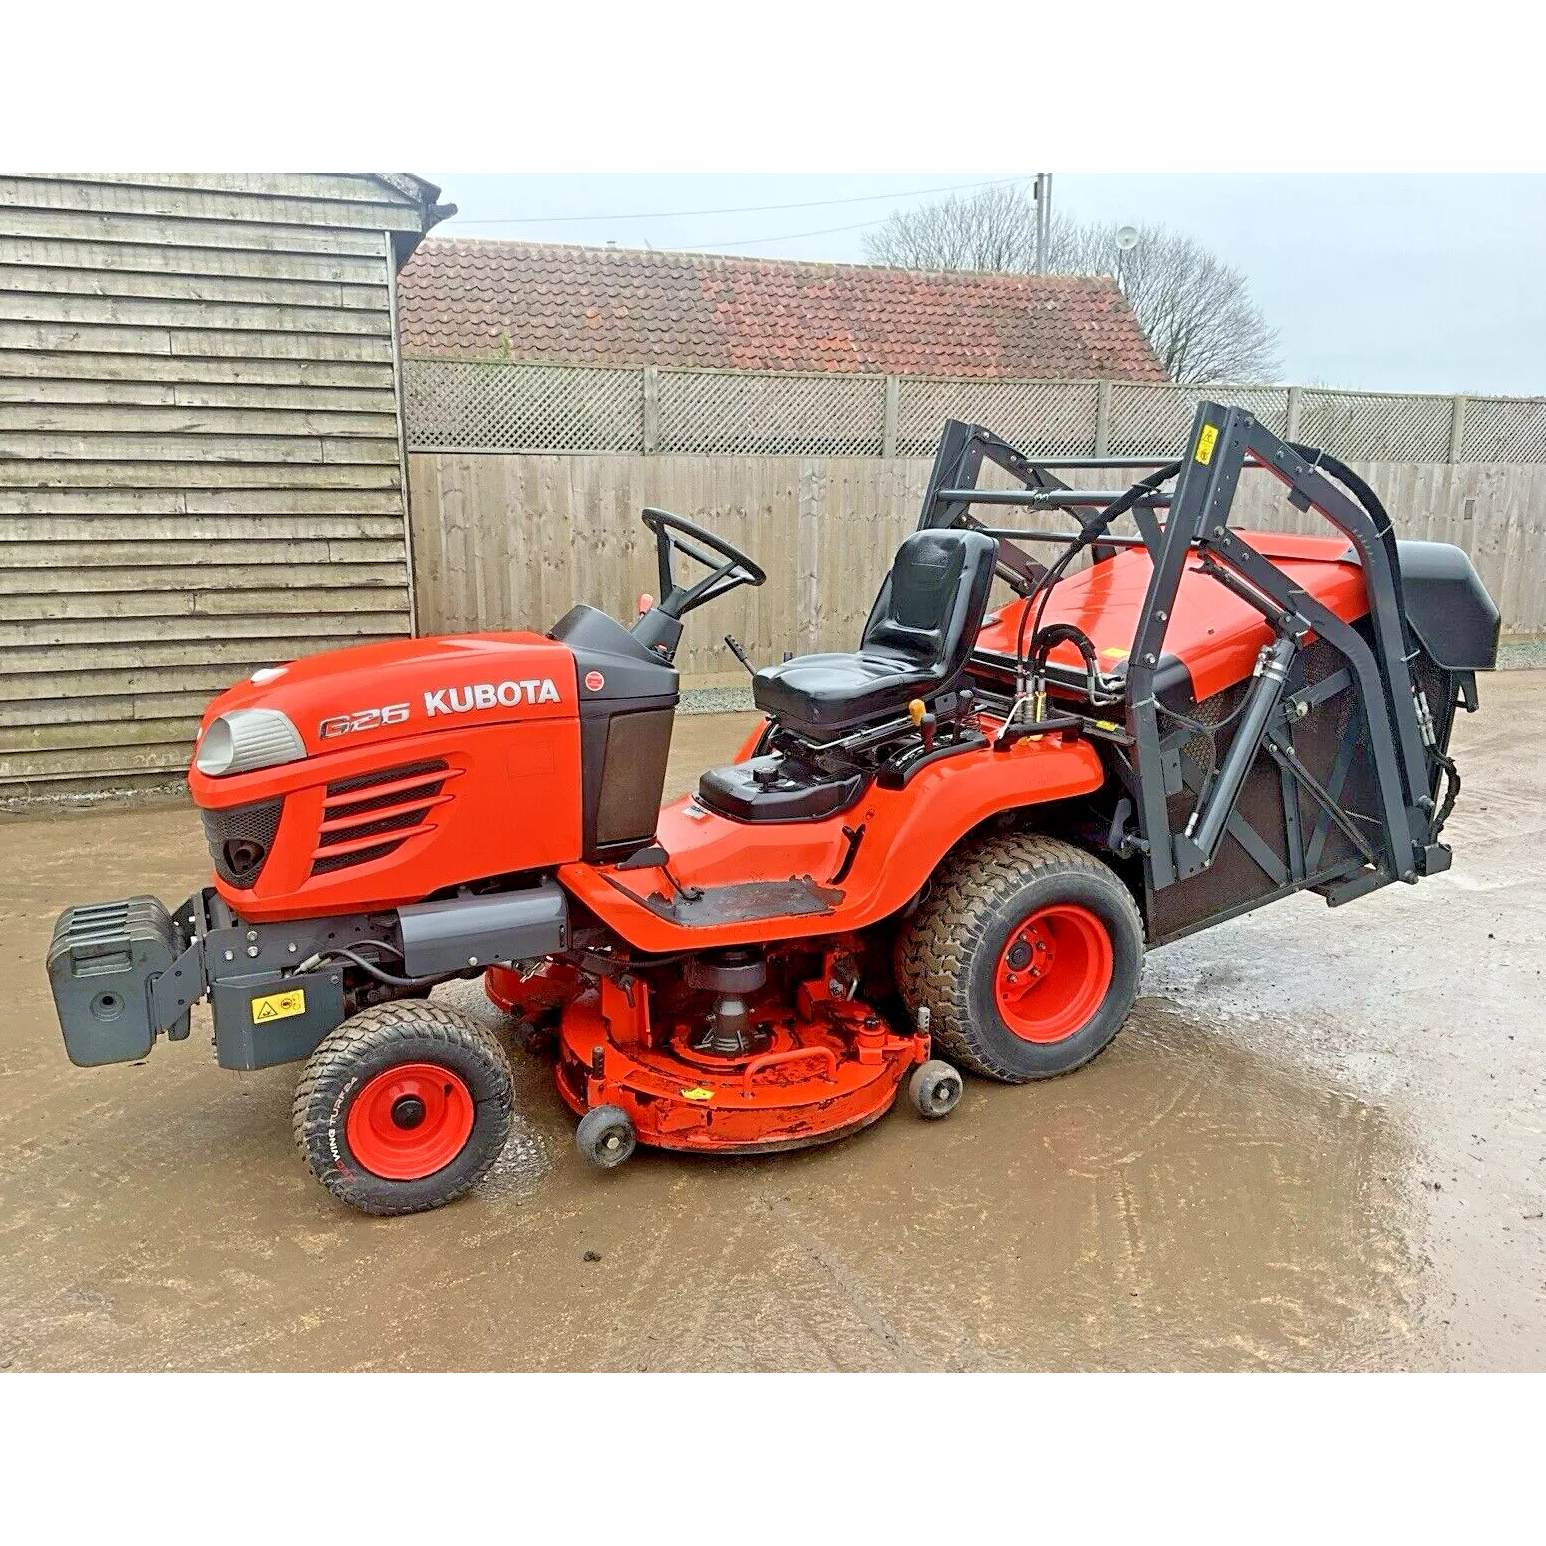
{"type": "Point", "coordinates": [1225, 441]}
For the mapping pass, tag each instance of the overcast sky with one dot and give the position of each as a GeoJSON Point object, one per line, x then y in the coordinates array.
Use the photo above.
{"type": "Point", "coordinates": [1401, 283]}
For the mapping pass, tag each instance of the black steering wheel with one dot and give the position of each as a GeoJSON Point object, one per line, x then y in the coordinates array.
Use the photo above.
{"type": "Point", "coordinates": [730, 568]}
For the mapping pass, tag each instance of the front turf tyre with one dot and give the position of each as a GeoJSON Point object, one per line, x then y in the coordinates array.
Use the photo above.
{"type": "Point", "coordinates": [1027, 954]}
{"type": "Point", "coordinates": [403, 1107]}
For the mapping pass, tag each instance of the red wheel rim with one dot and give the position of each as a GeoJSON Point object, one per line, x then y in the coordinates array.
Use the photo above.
{"type": "Point", "coordinates": [1053, 973]}
{"type": "Point", "coordinates": [410, 1121]}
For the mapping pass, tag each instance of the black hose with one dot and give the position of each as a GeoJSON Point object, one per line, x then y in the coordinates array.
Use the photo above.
{"type": "Point", "coordinates": [1196, 724]}
{"type": "Point", "coordinates": [1373, 508]}
{"type": "Point", "coordinates": [1047, 639]}
{"type": "Point", "coordinates": [1044, 590]}
{"type": "Point", "coordinates": [392, 981]}
{"type": "Point", "coordinates": [1085, 538]}
{"type": "Point", "coordinates": [1451, 791]}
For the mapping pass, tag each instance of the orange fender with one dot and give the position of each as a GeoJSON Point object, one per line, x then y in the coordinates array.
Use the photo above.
{"type": "Point", "coordinates": [904, 835]}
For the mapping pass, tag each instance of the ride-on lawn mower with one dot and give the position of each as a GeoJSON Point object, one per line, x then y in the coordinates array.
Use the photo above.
{"type": "Point", "coordinates": [959, 838]}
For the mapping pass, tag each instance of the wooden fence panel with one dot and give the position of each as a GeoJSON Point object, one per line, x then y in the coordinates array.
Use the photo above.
{"type": "Point", "coordinates": [514, 541]}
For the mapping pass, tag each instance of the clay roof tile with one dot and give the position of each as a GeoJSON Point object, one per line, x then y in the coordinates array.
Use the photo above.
{"type": "Point", "coordinates": [627, 309]}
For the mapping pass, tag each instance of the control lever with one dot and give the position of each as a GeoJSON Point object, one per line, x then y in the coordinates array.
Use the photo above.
{"type": "Point", "coordinates": [924, 722]}
{"type": "Point", "coordinates": [734, 645]}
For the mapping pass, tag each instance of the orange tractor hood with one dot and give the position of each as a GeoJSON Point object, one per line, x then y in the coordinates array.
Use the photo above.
{"type": "Point", "coordinates": [429, 763]}
{"type": "Point", "coordinates": [351, 699]}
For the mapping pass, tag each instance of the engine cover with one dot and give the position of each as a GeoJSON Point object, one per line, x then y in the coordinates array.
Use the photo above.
{"type": "Point", "coordinates": [429, 763]}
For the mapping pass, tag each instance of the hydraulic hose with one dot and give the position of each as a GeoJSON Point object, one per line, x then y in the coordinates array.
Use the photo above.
{"type": "Point", "coordinates": [1047, 639]}
{"type": "Point", "coordinates": [1451, 792]}
{"type": "Point", "coordinates": [1372, 506]}
{"type": "Point", "coordinates": [371, 968]}
{"type": "Point", "coordinates": [1085, 538]}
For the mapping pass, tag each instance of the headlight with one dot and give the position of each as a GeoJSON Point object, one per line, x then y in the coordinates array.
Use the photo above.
{"type": "Point", "coordinates": [245, 739]}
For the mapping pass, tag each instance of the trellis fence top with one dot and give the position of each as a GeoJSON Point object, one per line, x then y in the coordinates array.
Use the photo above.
{"type": "Point", "coordinates": [513, 407]}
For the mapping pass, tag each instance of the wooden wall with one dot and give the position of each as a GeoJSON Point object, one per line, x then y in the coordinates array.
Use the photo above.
{"type": "Point", "coordinates": [199, 452]}
{"type": "Point", "coordinates": [506, 541]}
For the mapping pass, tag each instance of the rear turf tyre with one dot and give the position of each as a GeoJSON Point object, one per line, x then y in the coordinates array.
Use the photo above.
{"type": "Point", "coordinates": [403, 1107]}
{"type": "Point", "coordinates": [1027, 953]}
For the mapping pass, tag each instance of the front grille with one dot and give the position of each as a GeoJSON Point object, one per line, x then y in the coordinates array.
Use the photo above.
{"type": "Point", "coordinates": [373, 828]}
{"type": "Point", "coordinates": [395, 775]}
{"type": "Point", "coordinates": [330, 862]}
{"type": "Point", "coordinates": [349, 822]}
{"type": "Point", "coordinates": [240, 838]}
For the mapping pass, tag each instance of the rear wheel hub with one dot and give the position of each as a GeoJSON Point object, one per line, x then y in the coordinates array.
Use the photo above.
{"type": "Point", "coordinates": [1054, 973]}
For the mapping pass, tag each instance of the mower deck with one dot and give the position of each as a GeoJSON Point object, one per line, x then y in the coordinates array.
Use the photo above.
{"type": "Point", "coordinates": [805, 1085]}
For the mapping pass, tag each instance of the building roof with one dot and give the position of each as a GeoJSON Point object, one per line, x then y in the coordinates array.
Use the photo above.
{"type": "Point", "coordinates": [613, 307]}
{"type": "Point", "coordinates": [417, 191]}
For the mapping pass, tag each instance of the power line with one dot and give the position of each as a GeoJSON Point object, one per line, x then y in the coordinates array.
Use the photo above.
{"type": "Point", "coordinates": [791, 236]}
{"type": "Point", "coordinates": [750, 209]}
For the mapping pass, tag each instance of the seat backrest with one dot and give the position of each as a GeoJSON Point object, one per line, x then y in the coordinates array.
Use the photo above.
{"type": "Point", "coordinates": [930, 607]}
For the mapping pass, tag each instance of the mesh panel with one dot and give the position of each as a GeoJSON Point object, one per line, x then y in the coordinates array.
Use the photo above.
{"type": "Point", "coordinates": [785, 413]}
{"type": "Point", "coordinates": [331, 862]}
{"type": "Point", "coordinates": [475, 405]}
{"type": "Point", "coordinates": [1503, 429]}
{"type": "Point", "coordinates": [1202, 748]}
{"type": "Point", "coordinates": [1156, 420]}
{"type": "Point", "coordinates": [1042, 418]}
{"type": "Point", "coordinates": [496, 406]}
{"type": "Point", "coordinates": [240, 837]}
{"type": "Point", "coordinates": [1372, 427]}
{"type": "Point", "coordinates": [1235, 879]}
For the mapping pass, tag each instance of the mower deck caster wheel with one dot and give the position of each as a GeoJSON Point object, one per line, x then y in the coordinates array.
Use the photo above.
{"type": "Point", "coordinates": [606, 1136]}
{"type": "Point", "coordinates": [934, 1089]}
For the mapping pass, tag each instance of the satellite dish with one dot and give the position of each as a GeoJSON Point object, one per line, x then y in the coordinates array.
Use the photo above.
{"type": "Point", "coordinates": [1127, 238]}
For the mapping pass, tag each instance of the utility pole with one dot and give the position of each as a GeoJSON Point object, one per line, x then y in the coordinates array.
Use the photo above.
{"type": "Point", "coordinates": [1043, 195]}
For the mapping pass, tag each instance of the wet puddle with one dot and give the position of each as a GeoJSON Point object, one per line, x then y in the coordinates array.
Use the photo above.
{"type": "Point", "coordinates": [1181, 1203]}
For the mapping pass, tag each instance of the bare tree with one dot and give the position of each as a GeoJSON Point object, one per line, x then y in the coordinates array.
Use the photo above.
{"type": "Point", "coordinates": [1195, 309]}
{"type": "Point", "coordinates": [994, 229]}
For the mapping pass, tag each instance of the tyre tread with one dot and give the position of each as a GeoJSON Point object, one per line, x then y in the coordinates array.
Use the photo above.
{"type": "Point", "coordinates": [967, 889]}
{"type": "Point", "coordinates": [411, 1022]}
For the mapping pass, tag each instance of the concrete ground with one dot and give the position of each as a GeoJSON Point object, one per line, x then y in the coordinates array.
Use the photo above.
{"type": "Point", "coordinates": [1320, 1142]}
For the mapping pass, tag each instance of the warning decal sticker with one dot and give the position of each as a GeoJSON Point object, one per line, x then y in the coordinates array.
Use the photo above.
{"type": "Point", "coordinates": [278, 1006]}
{"type": "Point", "coordinates": [1207, 438]}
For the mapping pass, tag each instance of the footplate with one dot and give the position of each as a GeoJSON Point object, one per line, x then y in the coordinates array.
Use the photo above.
{"type": "Point", "coordinates": [121, 972]}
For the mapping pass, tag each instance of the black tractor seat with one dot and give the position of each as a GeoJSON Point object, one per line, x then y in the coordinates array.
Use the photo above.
{"type": "Point", "coordinates": [916, 644]}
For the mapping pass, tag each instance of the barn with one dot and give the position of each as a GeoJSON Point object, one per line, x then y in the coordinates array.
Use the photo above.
{"type": "Point", "coordinates": [201, 450]}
